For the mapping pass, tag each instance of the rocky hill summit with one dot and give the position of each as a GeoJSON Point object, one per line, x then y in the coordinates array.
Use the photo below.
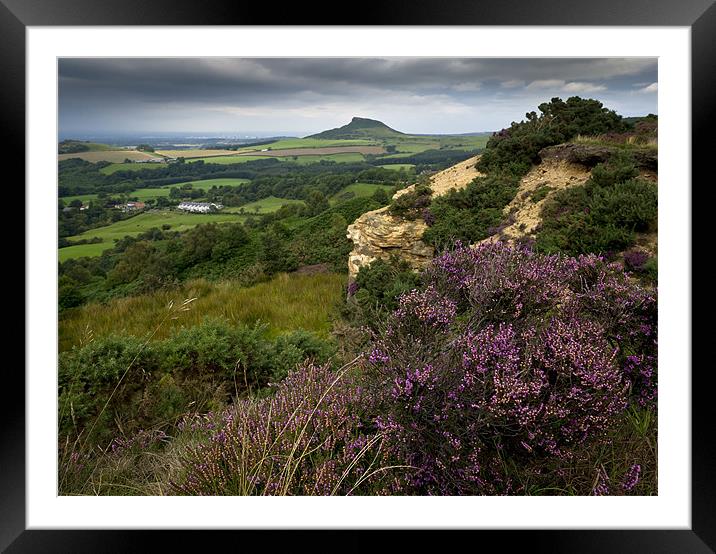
{"type": "Point", "coordinates": [359, 128]}
{"type": "Point", "coordinates": [378, 234]}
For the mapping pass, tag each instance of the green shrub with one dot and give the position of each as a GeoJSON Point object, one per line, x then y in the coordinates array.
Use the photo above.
{"type": "Point", "coordinates": [603, 215]}
{"type": "Point", "coordinates": [410, 205]}
{"type": "Point", "coordinates": [144, 383]}
{"type": "Point", "coordinates": [292, 349]}
{"type": "Point", "coordinates": [516, 148]}
{"type": "Point", "coordinates": [540, 193]}
{"type": "Point", "coordinates": [377, 288]}
{"type": "Point", "coordinates": [473, 213]}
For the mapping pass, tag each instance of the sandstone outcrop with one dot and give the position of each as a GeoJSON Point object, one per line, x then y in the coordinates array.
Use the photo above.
{"type": "Point", "coordinates": [378, 234]}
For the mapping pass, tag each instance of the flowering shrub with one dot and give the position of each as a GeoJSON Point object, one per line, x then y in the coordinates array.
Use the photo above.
{"type": "Point", "coordinates": [308, 439]}
{"type": "Point", "coordinates": [507, 356]}
{"type": "Point", "coordinates": [635, 259]}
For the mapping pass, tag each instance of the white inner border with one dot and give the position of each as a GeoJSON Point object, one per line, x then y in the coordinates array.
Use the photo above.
{"type": "Point", "coordinates": [670, 509]}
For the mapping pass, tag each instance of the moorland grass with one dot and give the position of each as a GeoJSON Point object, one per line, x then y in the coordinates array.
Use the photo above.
{"type": "Point", "coordinates": [286, 302]}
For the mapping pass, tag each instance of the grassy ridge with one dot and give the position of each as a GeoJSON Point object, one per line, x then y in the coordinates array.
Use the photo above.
{"type": "Point", "coordinates": [357, 190]}
{"type": "Point", "coordinates": [265, 205]}
{"type": "Point", "coordinates": [287, 302]}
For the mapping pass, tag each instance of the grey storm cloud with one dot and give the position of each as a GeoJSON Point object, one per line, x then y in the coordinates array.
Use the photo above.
{"type": "Point", "coordinates": [292, 94]}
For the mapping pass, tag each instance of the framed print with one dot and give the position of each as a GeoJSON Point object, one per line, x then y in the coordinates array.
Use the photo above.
{"type": "Point", "coordinates": [399, 274]}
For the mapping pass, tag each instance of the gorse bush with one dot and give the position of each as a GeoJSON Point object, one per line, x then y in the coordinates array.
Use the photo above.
{"type": "Point", "coordinates": [602, 216]}
{"type": "Point", "coordinates": [516, 148]}
{"type": "Point", "coordinates": [375, 292]}
{"type": "Point", "coordinates": [470, 214]}
{"type": "Point", "coordinates": [506, 358]}
{"type": "Point", "coordinates": [410, 205]}
{"type": "Point", "coordinates": [164, 377]}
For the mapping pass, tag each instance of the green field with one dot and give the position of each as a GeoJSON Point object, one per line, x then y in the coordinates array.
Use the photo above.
{"type": "Point", "coordinates": [82, 197]}
{"type": "Point", "coordinates": [143, 195]}
{"type": "Point", "coordinates": [358, 190]}
{"type": "Point", "coordinates": [349, 157]}
{"type": "Point", "coordinates": [82, 250]}
{"type": "Point", "coordinates": [113, 168]}
{"type": "Point", "coordinates": [112, 156]}
{"type": "Point", "coordinates": [410, 145]}
{"type": "Point", "coordinates": [397, 167]}
{"type": "Point", "coordinates": [263, 206]}
{"type": "Point", "coordinates": [286, 303]}
{"type": "Point", "coordinates": [206, 184]}
{"type": "Point", "coordinates": [140, 194]}
{"type": "Point", "coordinates": [177, 221]}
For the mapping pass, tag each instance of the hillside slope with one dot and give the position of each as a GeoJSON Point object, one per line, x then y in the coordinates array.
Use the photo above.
{"type": "Point", "coordinates": [563, 166]}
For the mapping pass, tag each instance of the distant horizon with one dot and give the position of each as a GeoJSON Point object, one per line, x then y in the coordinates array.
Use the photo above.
{"type": "Point", "coordinates": [223, 134]}
{"type": "Point", "coordinates": [303, 96]}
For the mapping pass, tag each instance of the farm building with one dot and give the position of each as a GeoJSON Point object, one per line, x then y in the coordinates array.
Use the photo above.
{"type": "Point", "coordinates": [200, 207]}
{"type": "Point", "coordinates": [132, 206]}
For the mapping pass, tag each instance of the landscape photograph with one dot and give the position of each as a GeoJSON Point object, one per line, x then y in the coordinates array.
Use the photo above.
{"type": "Point", "coordinates": [363, 276]}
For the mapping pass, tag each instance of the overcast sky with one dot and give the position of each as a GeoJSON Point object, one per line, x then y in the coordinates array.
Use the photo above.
{"type": "Point", "coordinates": [299, 96]}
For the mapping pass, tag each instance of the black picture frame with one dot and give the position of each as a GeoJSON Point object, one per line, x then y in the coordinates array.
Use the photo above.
{"type": "Point", "coordinates": [699, 15]}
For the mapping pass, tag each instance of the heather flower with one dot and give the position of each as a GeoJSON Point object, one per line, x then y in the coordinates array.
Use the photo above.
{"type": "Point", "coordinates": [631, 478]}
{"type": "Point", "coordinates": [428, 217]}
{"type": "Point", "coordinates": [635, 259]}
{"type": "Point", "coordinates": [307, 439]}
{"type": "Point", "coordinates": [508, 353]}
{"type": "Point", "coordinates": [601, 487]}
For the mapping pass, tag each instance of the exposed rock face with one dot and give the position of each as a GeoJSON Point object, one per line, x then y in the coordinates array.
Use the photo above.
{"type": "Point", "coordinates": [378, 234]}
